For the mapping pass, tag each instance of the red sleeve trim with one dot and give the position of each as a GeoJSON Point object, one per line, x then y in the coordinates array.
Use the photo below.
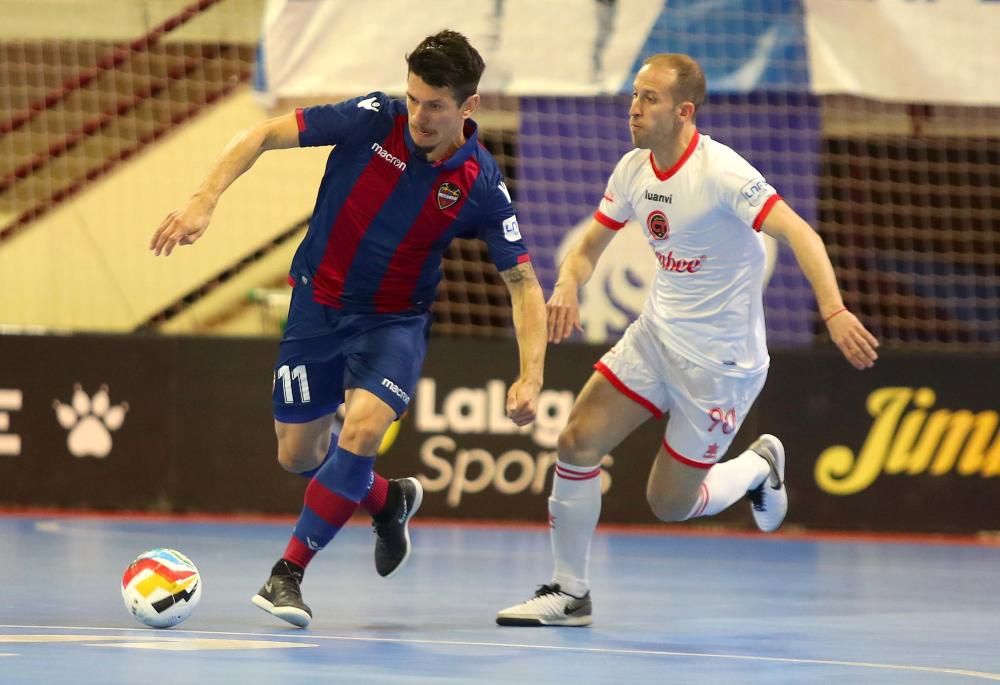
{"type": "Point", "coordinates": [684, 460]}
{"type": "Point", "coordinates": [300, 119]}
{"type": "Point", "coordinates": [522, 258]}
{"type": "Point", "coordinates": [625, 390]}
{"type": "Point", "coordinates": [606, 220]}
{"type": "Point", "coordinates": [291, 280]}
{"type": "Point", "coordinates": [764, 211]}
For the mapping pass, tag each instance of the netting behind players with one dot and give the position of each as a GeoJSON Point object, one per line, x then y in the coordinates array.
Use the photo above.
{"type": "Point", "coordinates": [907, 197]}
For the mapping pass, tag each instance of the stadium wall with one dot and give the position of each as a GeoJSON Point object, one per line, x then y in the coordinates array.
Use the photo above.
{"type": "Point", "coordinates": [183, 424]}
{"type": "Point", "coordinates": [98, 272]}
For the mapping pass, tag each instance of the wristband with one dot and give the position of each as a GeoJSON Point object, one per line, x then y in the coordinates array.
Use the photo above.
{"type": "Point", "coordinates": [839, 311]}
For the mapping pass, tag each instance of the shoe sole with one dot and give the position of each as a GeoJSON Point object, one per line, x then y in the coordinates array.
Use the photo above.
{"type": "Point", "coordinates": [417, 501]}
{"type": "Point", "coordinates": [777, 467]}
{"type": "Point", "coordinates": [296, 617]}
{"type": "Point", "coordinates": [574, 622]}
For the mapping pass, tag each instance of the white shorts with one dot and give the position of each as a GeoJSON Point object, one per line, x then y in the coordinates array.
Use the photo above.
{"type": "Point", "coordinates": [706, 407]}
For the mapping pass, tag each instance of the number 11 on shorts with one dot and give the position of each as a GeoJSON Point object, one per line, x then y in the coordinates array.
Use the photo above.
{"type": "Point", "coordinates": [287, 376]}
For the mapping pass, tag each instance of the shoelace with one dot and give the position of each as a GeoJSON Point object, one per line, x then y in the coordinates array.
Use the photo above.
{"type": "Point", "coordinates": [545, 590]}
{"type": "Point", "coordinates": [757, 498]}
{"type": "Point", "coordinates": [289, 587]}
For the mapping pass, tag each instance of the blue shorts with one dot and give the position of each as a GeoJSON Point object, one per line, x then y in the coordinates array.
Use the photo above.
{"type": "Point", "coordinates": [325, 351]}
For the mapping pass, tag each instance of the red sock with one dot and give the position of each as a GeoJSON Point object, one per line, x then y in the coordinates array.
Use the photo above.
{"type": "Point", "coordinates": [324, 513]}
{"type": "Point", "coordinates": [374, 501]}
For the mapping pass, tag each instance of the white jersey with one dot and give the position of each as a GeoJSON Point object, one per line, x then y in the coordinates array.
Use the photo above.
{"type": "Point", "coordinates": [702, 218]}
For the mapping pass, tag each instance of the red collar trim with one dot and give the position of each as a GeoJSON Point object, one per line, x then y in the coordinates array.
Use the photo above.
{"type": "Point", "coordinates": [664, 175]}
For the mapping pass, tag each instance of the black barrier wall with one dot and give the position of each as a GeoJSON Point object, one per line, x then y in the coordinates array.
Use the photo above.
{"type": "Point", "coordinates": [184, 424]}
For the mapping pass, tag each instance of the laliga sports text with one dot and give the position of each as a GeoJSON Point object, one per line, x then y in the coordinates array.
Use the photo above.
{"type": "Point", "coordinates": [452, 428]}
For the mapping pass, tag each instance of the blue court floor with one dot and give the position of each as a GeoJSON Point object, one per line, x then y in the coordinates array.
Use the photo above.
{"type": "Point", "coordinates": [668, 608]}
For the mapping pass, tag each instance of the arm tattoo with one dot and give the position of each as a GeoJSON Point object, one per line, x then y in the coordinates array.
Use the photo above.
{"type": "Point", "coordinates": [518, 275]}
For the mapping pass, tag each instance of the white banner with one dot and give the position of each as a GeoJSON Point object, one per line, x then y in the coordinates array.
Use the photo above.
{"type": "Point", "coordinates": [557, 47]}
{"type": "Point", "coordinates": [943, 51]}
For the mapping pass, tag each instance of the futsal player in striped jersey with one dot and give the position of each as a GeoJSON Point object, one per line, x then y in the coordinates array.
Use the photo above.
{"type": "Point", "coordinates": [403, 180]}
{"type": "Point", "coordinates": [697, 350]}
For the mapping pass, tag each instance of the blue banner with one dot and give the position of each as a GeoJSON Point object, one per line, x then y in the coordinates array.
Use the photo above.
{"type": "Point", "coordinates": [742, 45]}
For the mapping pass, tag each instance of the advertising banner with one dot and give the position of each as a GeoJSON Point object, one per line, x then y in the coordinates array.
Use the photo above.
{"type": "Point", "coordinates": [184, 424]}
{"type": "Point", "coordinates": [905, 51]}
{"type": "Point", "coordinates": [144, 423]}
{"type": "Point", "coordinates": [315, 49]}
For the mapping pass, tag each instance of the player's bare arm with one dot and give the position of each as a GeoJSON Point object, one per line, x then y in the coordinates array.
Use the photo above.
{"type": "Point", "coordinates": [574, 272]}
{"type": "Point", "coordinates": [187, 224]}
{"type": "Point", "coordinates": [528, 306]}
{"type": "Point", "coordinates": [856, 343]}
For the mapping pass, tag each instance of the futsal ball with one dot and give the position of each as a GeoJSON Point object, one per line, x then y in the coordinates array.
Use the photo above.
{"type": "Point", "coordinates": [161, 588]}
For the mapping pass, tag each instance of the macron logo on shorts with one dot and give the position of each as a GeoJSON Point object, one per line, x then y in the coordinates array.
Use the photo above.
{"type": "Point", "coordinates": [396, 390]}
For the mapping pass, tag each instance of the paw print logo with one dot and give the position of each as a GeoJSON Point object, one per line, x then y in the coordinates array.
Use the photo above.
{"type": "Point", "coordinates": [90, 421]}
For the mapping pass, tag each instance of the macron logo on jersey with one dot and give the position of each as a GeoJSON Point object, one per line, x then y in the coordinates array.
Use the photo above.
{"type": "Point", "coordinates": [371, 103]}
{"type": "Point", "coordinates": [389, 157]}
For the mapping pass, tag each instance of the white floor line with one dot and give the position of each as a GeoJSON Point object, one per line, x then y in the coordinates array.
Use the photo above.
{"type": "Point", "coordinates": [552, 648]}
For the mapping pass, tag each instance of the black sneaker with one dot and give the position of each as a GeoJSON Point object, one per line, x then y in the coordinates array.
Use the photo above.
{"type": "Point", "coordinates": [392, 547]}
{"type": "Point", "coordinates": [282, 597]}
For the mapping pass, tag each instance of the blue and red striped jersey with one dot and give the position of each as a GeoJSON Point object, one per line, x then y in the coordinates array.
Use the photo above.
{"type": "Point", "coordinates": [384, 215]}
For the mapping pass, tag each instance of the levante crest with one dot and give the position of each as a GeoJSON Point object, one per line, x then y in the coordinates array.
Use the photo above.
{"type": "Point", "coordinates": [448, 194]}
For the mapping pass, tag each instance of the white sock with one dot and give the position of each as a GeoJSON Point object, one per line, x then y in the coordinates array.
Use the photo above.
{"type": "Point", "coordinates": [728, 482]}
{"type": "Point", "coordinates": [574, 508]}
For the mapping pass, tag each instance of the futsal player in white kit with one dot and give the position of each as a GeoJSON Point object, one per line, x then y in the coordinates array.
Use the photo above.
{"type": "Point", "coordinates": [697, 351]}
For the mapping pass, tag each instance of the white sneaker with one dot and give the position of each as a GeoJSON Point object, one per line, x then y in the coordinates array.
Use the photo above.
{"type": "Point", "coordinates": [769, 500]}
{"type": "Point", "coordinates": [549, 607]}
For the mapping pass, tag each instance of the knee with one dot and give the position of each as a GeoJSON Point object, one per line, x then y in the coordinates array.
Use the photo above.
{"type": "Point", "coordinates": [668, 508]}
{"type": "Point", "coordinates": [575, 448]}
{"type": "Point", "coordinates": [362, 437]}
{"type": "Point", "coordinates": [298, 457]}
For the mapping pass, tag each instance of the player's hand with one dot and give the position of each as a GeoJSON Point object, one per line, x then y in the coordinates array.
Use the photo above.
{"type": "Point", "coordinates": [182, 226]}
{"type": "Point", "coordinates": [853, 339]}
{"type": "Point", "coordinates": [522, 401]}
{"type": "Point", "coordinates": [563, 310]}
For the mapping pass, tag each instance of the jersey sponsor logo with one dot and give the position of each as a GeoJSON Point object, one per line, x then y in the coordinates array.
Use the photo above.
{"type": "Point", "coordinates": [679, 265]}
{"type": "Point", "coordinates": [658, 225]}
{"type": "Point", "coordinates": [754, 191]}
{"type": "Point", "coordinates": [371, 104]}
{"type": "Point", "coordinates": [389, 157]}
{"type": "Point", "coordinates": [395, 390]}
{"type": "Point", "coordinates": [510, 229]}
{"type": "Point", "coordinates": [657, 197]}
{"type": "Point", "coordinates": [448, 194]}
{"type": "Point", "coordinates": [503, 189]}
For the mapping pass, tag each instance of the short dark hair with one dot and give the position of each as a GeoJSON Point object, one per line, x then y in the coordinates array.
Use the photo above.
{"type": "Point", "coordinates": [690, 84]}
{"type": "Point", "coordinates": [446, 59]}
